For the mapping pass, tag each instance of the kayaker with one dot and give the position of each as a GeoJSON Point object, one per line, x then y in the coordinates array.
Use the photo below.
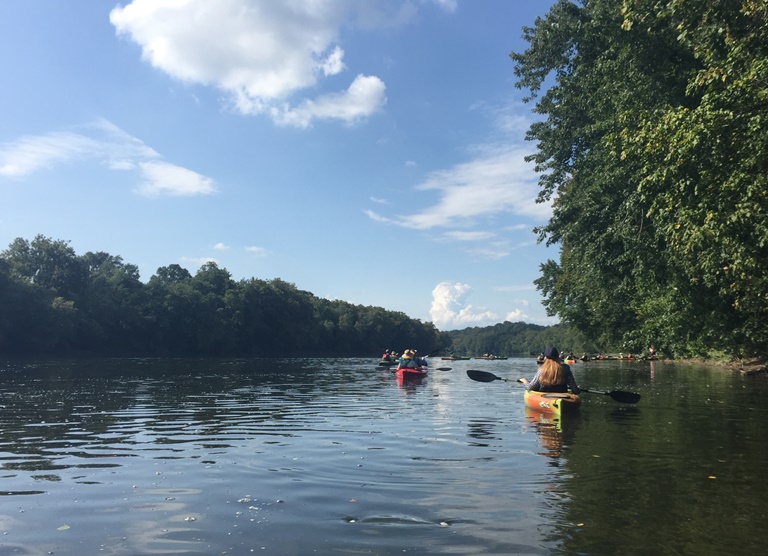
{"type": "Point", "coordinates": [552, 376]}
{"type": "Point", "coordinates": [408, 361]}
{"type": "Point", "coordinates": [421, 361]}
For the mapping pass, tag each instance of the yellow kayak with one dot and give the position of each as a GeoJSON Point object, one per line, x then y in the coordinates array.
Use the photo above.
{"type": "Point", "coordinates": [553, 403]}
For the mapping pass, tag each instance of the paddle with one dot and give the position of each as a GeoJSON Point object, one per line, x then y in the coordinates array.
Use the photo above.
{"type": "Point", "coordinates": [617, 395]}
{"type": "Point", "coordinates": [437, 369]}
{"type": "Point", "coordinates": [484, 376]}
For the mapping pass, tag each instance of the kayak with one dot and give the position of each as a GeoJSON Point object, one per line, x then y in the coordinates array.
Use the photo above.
{"type": "Point", "coordinates": [492, 358]}
{"type": "Point", "coordinates": [553, 403]}
{"type": "Point", "coordinates": [411, 373]}
{"type": "Point", "coordinates": [387, 363]}
{"type": "Point", "coordinates": [570, 361]}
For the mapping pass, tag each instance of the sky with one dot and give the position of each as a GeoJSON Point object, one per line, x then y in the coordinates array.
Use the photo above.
{"type": "Point", "coordinates": [370, 151]}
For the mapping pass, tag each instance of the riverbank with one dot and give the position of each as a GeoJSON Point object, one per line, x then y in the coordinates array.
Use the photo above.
{"type": "Point", "coordinates": [745, 366]}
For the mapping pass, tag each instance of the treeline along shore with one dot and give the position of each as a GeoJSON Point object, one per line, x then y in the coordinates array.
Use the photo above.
{"type": "Point", "coordinates": [56, 302]}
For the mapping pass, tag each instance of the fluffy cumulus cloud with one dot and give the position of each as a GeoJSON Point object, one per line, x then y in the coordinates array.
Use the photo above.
{"type": "Point", "coordinates": [450, 308]}
{"type": "Point", "coordinates": [104, 143]}
{"type": "Point", "coordinates": [264, 53]}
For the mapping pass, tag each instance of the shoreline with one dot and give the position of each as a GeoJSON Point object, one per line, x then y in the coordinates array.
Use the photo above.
{"type": "Point", "coordinates": [744, 366]}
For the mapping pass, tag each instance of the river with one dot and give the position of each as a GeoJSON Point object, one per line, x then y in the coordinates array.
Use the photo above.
{"type": "Point", "coordinates": [332, 456]}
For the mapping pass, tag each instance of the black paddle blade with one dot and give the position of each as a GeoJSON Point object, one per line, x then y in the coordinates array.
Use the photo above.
{"type": "Point", "coordinates": [444, 368]}
{"type": "Point", "coordinates": [624, 397]}
{"type": "Point", "coordinates": [617, 395]}
{"type": "Point", "coordinates": [482, 376]}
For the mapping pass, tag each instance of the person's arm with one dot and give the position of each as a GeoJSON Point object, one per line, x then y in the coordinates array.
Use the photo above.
{"type": "Point", "coordinates": [534, 383]}
{"type": "Point", "coordinates": [571, 380]}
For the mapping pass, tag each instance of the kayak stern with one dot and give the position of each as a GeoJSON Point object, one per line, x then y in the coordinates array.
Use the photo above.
{"type": "Point", "coordinates": [553, 403]}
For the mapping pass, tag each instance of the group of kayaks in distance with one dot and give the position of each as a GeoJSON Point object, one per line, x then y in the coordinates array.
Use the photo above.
{"type": "Point", "coordinates": [571, 358]}
{"type": "Point", "coordinates": [409, 366]}
{"type": "Point", "coordinates": [487, 357]}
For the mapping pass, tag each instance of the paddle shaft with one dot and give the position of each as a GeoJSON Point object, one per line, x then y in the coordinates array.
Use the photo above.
{"type": "Point", "coordinates": [616, 395]}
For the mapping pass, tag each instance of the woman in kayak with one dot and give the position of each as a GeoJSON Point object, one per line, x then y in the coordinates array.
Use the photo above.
{"type": "Point", "coordinates": [552, 376]}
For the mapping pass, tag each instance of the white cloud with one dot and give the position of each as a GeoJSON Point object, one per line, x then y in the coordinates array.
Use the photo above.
{"type": "Point", "coordinates": [164, 178]}
{"type": "Point", "coordinates": [377, 217]}
{"type": "Point", "coordinates": [516, 288]}
{"type": "Point", "coordinates": [261, 52]}
{"type": "Point", "coordinates": [515, 316]}
{"type": "Point", "coordinates": [260, 251]}
{"type": "Point", "coordinates": [498, 180]}
{"type": "Point", "coordinates": [104, 143]}
{"type": "Point", "coordinates": [334, 63]}
{"type": "Point", "coordinates": [469, 236]}
{"type": "Point", "coordinates": [450, 309]}
{"type": "Point", "coordinates": [221, 247]}
{"type": "Point", "coordinates": [364, 97]}
{"type": "Point", "coordinates": [447, 5]}
{"type": "Point", "coordinates": [32, 153]}
{"type": "Point", "coordinates": [494, 251]}
{"type": "Point", "coordinates": [197, 261]}
{"type": "Point", "coordinates": [101, 141]}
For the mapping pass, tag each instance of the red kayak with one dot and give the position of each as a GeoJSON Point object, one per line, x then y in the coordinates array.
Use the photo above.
{"type": "Point", "coordinates": [411, 373]}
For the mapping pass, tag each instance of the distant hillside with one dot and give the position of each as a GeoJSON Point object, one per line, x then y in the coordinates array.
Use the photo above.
{"type": "Point", "coordinates": [518, 338]}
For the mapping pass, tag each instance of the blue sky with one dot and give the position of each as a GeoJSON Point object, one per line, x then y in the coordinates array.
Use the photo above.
{"type": "Point", "coordinates": [370, 151]}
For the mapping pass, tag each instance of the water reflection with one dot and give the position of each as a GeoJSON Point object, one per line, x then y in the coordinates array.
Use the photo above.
{"type": "Point", "coordinates": [239, 456]}
{"type": "Point", "coordinates": [555, 434]}
{"type": "Point", "coordinates": [482, 431]}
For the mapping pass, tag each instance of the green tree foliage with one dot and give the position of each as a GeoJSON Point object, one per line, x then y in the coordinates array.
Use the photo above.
{"type": "Point", "coordinates": [520, 339]}
{"type": "Point", "coordinates": [652, 147]}
{"type": "Point", "coordinates": [53, 301]}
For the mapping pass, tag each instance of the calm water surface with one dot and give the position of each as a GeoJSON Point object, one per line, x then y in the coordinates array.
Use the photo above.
{"type": "Point", "coordinates": [331, 456]}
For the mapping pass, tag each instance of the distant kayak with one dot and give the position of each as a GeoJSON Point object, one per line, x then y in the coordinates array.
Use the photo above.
{"type": "Point", "coordinates": [553, 403]}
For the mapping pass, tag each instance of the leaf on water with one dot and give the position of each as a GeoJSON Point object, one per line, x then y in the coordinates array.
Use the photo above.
{"type": "Point", "coordinates": [62, 528]}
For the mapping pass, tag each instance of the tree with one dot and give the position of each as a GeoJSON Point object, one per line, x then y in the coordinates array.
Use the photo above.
{"type": "Point", "coordinates": [48, 264]}
{"type": "Point", "coordinates": [653, 156]}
